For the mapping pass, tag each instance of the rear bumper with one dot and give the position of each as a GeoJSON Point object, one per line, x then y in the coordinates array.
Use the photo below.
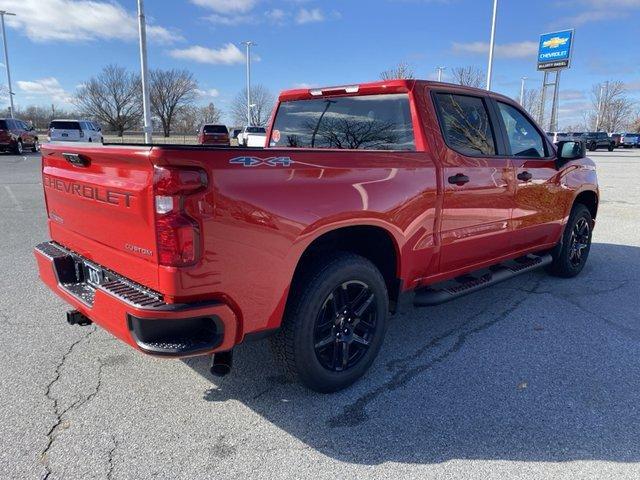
{"type": "Point", "coordinates": [134, 314]}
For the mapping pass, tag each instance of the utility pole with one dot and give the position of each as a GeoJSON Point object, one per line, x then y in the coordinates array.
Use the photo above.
{"type": "Point", "coordinates": [522, 80]}
{"type": "Point", "coordinates": [492, 43]}
{"type": "Point", "coordinates": [440, 70]}
{"type": "Point", "coordinates": [249, 44]}
{"type": "Point", "coordinates": [146, 101]}
{"type": "Point", "coordinates": [6, 57]}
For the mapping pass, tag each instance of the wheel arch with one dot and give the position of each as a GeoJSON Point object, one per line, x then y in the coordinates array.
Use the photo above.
{"type": "Point", "coordinates": [589, 199]}
{"type": "Point", "coordinates": [372, 242]}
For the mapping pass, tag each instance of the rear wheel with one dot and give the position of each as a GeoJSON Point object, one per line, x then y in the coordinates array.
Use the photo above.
{"type": "Point", "coordinates": [592, 147]}
{"type": "Point", "coordinates": [569, 258]}
{"type": "Point", "coordinates": [611, 147]}
{"type": "Point", "coordinates": [334, 324]}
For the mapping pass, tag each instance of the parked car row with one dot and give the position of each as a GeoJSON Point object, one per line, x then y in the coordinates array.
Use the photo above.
{"type": "Point", "coordinates": [211, 134]}
{"type": "Point", "coordinates": [596, 140]}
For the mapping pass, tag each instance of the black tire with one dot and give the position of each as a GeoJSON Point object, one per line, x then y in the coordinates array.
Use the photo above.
{"type": "Point", "coordinates": [311, 341]}
{"type": "Point", "coordinates": [570, 257]}
{"type": "Point", "coordinates": [18, 148]}
{"type": "Point", "coordinates": [611, 147]}
{"type": "Point", "coordinates": [592, 147]}
{"type": "Point", "coordinates": [36, 146]}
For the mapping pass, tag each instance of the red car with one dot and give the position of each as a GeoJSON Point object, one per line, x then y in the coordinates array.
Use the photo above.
{"type": "Point", "coordinates": [214, 135]}
{"type": "Point", "coordinates": [366, 193]}
{"type": "Point", "coordinates": [16, 136]}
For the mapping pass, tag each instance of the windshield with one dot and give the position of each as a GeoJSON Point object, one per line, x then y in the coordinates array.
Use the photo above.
{"type": "Point", "coordinates": [370, 122]}
{"type": "Point", "coordinates": [256, 130]}
{"type": "Point", "coordinates": [65, 125]}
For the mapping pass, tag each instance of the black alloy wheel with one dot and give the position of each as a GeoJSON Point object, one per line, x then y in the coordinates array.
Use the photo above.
{"type": "Point", "coordinates": [345, 326]}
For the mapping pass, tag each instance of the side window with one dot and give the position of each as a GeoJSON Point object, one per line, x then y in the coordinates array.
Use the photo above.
{"type": "Point", "coordinates": [523, 137]}
{"type": "Point", "coordinates": [465, 124]}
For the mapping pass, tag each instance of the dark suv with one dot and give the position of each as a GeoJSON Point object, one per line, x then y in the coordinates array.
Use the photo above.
{"type": "Point", "coordinates": [596, 140]}
{"type": "Point", "coordinates": [16, 135]}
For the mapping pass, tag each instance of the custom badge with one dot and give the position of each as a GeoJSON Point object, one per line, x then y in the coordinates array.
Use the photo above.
{"type": "Point", "coordinates": [275, 136]}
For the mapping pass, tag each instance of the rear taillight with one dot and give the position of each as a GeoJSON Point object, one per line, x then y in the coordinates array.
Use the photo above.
{"type": "Point", "coordinates": [177, 233]}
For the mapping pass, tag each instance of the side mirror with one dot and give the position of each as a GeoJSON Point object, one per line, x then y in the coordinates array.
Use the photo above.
{"type": "Point", "coordinates": [570, 150]}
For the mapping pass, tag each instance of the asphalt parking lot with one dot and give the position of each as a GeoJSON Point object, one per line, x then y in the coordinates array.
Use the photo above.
{"type": "Point", "coordinates": [535, 378]}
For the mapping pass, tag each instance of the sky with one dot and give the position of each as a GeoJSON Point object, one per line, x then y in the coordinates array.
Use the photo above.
{"type": "Point", "coordinates": [55, 45]}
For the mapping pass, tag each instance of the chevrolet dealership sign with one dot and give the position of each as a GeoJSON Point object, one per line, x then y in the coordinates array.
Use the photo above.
{"type": "Point", "coordinates": [554, 51]}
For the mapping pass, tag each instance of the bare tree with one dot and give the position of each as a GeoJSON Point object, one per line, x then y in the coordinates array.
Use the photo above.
{"type": "Point", "coordinates": [612, 108]}
{"type": "Point", "coordinates": [262, 101]}
{"type": "Point", "coordinates": [40, 117]}
{"type": "Point", "coordinates": [470, 76]}
{"type": "Point", "coordinates": [113, 97]}
{"type": "Point", "coordinates": [191, 117]}
{"type": "Point", "coordinates": [532, 101]}
{"type": "Point", "coordinates": [401, 71]}
{"type": "Point", "coordinates": [170, 91]}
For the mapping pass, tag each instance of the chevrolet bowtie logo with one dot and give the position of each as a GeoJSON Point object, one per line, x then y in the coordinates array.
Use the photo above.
{"type": "Point", "coordinates": [555, 42]}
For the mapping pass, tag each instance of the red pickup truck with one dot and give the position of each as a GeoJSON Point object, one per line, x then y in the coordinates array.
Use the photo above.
{"type": "Point", "coordinates": [363, 193]}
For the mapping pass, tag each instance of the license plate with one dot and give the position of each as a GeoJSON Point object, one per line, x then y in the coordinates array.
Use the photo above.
{"type": "Point", "coordinates": [93, 275]}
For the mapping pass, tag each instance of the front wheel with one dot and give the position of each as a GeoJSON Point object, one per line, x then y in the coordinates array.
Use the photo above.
{"type": "Point", "coordinates": [36, 146]}
{"type": "Point", "coordinates": [570, 257]}
{"type": "Point", "coordinates": [334, 324]}
{"type": "Point", "coordinates": [611, 147]}
{"type": "Point", "coordinates": [18, 148]}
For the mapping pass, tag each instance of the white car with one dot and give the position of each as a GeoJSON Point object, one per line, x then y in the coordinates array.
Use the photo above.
{"type": "Point", "coordinates": [252, 137]}
{"type": "Point", "coordinates": [74, 131]}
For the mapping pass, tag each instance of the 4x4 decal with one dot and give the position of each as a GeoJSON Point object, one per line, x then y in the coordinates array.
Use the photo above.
{"type": "Point", "coordinates": [255, 161]}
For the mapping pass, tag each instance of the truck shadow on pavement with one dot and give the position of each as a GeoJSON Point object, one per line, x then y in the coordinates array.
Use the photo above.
{"type": "Point", "coordinates": [534, 369]}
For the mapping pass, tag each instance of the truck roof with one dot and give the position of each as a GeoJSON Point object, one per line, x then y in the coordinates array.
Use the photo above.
{"type": "Point", "coordinates": [376, 88]}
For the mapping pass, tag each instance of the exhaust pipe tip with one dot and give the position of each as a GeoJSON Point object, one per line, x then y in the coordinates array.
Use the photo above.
{"type": "Point", "coordinates": [74, 317]}
{"type": "Point", "coordinates": [221, 363]}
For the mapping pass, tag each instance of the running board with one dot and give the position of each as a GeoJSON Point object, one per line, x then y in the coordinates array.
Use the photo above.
{"type": "Point", "coordinates": [444, 291]}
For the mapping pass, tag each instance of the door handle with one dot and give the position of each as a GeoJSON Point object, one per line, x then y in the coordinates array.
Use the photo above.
{"type": "Point", "coordinates": [458, 179]}
{"type": "Point", "coordinates": [525, 176]}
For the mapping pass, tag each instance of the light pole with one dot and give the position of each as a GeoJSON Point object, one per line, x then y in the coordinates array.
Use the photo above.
{"type": "Point", "coordinates": [492, 43]}
{"type": "Point", "coordinates": [522, 80]}
{"type": "Point", "coordinates": [440, 70]}
{"type": "Point", "coordinates": [249, 44]}
{"type": "Point", "coordinates": [146, 102]}
{"type": "Point", "coordinates": [6, 57]}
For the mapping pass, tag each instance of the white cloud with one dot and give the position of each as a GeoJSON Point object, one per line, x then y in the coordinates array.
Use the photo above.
{"type": "Point", "coordinates": [596, 11]}
{"type": "Point", "coordinates": [47, 88]}
{"type": "Point", "coordinates": [277, 16]}
{"type": "Point", "coordinates": [505, 50]}
{"type": "Point", "coordinates": [210, 92]}
{"type": "Point", "coordinates": [73, 20]}
{"type": "Point", "coordinates": [226, 6]}
{"type": "Point", "coordinates": [229, 21]}
{"type": "Point", "coordinates": [309, 16]}
{"type": "Point", "coordinates": [228, 54]}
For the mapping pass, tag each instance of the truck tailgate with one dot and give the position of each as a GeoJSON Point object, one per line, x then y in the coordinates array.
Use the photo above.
{"type": "Point", "coordinates": [100, 204]}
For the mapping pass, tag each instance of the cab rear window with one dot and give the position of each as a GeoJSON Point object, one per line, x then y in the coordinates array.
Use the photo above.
{"type": "Point", "coordinates": [367, 122]}
{"type": "Point", "coordinates": [65, 125]}
{"type": "Point", "coordinates": [215, 129]}
{"type": "Point", "coordinates": [3, 125]}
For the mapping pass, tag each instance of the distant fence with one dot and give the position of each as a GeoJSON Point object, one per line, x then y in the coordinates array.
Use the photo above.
{"type": "Point", "coordinates": [138, 137]}
{"type": "Point", "coordinates": [158, 137]}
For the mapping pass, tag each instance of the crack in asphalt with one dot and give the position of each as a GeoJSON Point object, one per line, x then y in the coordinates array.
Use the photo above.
{"type": "Point", "coordinates": [60, 413]}
{"type": "Point", "coordinates": [355, 413]}
{"type": "Point", "coordinates": [111, 455]}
